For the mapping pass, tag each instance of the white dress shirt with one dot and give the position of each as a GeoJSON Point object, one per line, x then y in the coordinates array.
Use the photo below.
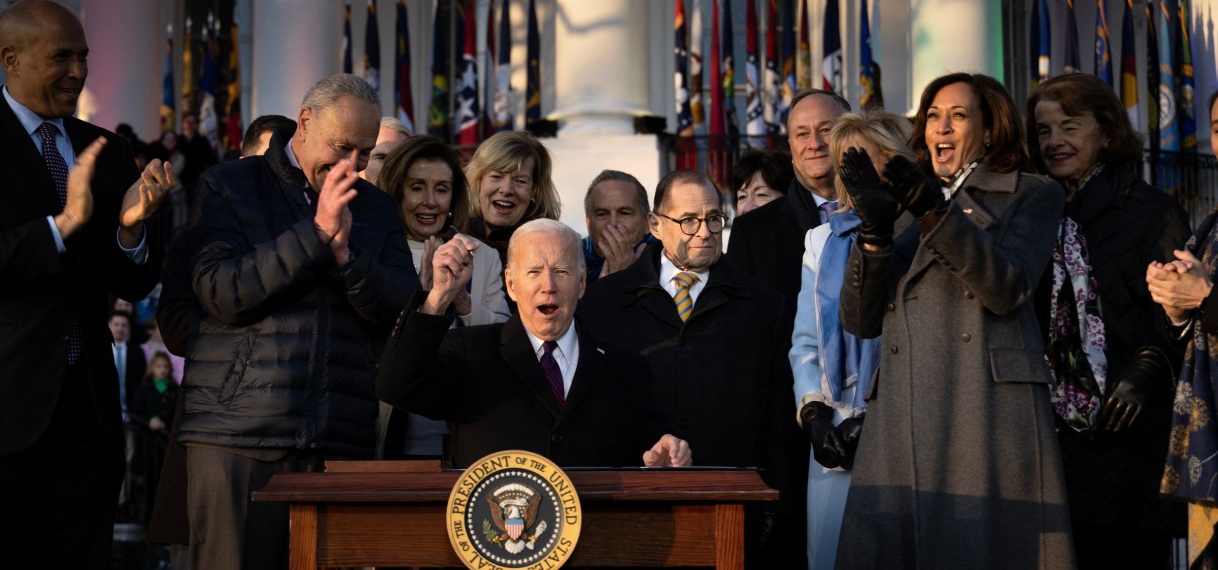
{"type": "Point", "coordinates": [668, 270]}
{"type": "Point", "coordinates": [566, 354]}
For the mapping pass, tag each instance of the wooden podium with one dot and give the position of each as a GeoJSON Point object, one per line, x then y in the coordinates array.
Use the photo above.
{"type": "Point", "coordinates": [385, 513]}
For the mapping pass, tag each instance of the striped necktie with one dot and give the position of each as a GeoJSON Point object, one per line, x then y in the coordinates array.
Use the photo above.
{"type": "Point", "coordinates": [553, 373]}
{"type": "Point", "coordinates": [685, 303]}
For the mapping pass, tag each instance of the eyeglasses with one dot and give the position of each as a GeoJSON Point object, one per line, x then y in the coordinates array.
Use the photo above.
{"type": "Point", "coordinates": [690, 225]}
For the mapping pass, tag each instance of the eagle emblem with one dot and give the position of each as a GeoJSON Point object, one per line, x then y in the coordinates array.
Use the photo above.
{"type": "Point", "coordinates": [514, 510]}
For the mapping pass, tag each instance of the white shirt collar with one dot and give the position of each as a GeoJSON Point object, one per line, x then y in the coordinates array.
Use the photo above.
{"type": "Point", "coordinates": [568, 343]}
{"type": "Point", "coordinates": [29, 119]}
{"type": "Point", "coordinates": [668, 270]}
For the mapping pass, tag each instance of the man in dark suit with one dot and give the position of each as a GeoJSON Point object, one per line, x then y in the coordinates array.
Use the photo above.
{"type": "Point", "coordinates": [540, 382]}
{"type": "Point", "coordinates": [128, 360]}
{"type": "Point", "coordinates": [716, 341]}
{"type": "Point", "coordinates": [768, 243]}
{"type": "Point", "coordinates": [71, 234]}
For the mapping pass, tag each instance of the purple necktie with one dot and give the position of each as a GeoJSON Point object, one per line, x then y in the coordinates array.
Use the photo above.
{"type": "Point", "coordinates": [54, 160]}
{"type": "Point", "coordinates": [829, 208]}
{"type": "Point", "coordinates": [59, 174]}
{"type": "Point", "coordinates": [553, 373]}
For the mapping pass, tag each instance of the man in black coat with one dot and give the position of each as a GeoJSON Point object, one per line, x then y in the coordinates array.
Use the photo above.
{"type": "Point", "coordinates": [716, 341]}
{"type": "Point", "coordinates": [71, 235]}
{"type": "Point", "coordinates": [768, 243]}
{"type": "Point", "coordinates": [540, 382]}
{"type": "Point", "coordinates": [299, 266]}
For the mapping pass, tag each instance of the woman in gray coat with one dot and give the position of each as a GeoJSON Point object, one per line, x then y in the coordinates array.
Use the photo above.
{"type": "Point", "coordinates": [960, 466]}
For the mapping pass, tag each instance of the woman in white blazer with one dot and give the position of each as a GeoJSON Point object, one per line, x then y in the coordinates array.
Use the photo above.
{"type": "Point", "coordinates": [833, 369]}
{"type": "Point", "coordinates": [424, 175]}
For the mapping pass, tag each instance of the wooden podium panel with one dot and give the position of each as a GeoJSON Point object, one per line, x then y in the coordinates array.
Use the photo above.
{"type": "Point", "coordinates": [668, 517]}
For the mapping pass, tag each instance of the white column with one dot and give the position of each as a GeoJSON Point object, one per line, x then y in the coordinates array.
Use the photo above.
{"type": "Point", "coordinates": [126, 63]}
{"type": "Point", "coordinates": [293, 48]}
{"type": "Point", "coordinates": [949, 36]}
{"type": "Point", "coordinates": [602, 65]}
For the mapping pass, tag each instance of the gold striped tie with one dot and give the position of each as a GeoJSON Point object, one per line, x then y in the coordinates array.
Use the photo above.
{"type": "Point", "coordinates": [685, 303]}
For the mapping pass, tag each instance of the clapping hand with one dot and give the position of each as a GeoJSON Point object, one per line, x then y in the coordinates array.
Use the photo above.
{"type": "Point", "coordinates": [333, 218]}
{"type": "Point", "coordinates": [919, 192]}
{"type": "Point", "coordinates": [876, 206]}
{"type": "Point", "coordinates": [142, 200]}
{"type": "Point", "coordinates": [79, 205]}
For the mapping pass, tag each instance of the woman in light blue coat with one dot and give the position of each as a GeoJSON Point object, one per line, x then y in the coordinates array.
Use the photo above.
{"type": "Point", "coordinates": [833, 369]}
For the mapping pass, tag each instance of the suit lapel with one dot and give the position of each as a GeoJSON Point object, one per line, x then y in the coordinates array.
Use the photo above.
{"type": "Point", "coordinates": [517, 351]}
{"type": "Point", "coordinates": [981, 180]}
{"type": "Point", "coordinates": [592, 361]}
{"type": "Point", "coordinates": [38, 197]}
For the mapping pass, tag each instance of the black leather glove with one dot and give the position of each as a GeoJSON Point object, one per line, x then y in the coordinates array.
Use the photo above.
{"type": "Point", "coordinates": [827, 445]}
{"type": "Point", "coordinates": [919, 192]}
{"type": "Point", "coordinates": [877, 207]}
{"type": "Point", "coordinates": [851, 429]}
{"type": "Point", "coordinates": [1135, 389]}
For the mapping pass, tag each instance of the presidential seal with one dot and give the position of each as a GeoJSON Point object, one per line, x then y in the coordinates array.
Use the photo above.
{"type": "Point", "coordinates": [514, 509]}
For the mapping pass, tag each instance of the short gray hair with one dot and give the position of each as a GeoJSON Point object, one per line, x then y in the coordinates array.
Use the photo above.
{"type": "Point", "coordinates": [329, 90]}
{"type": "Point", "coordinates": [394, 124]}
{"type": "Point", "coordinates": [607, 175]}
{"type": "Point", "coordinates": [550, 227]}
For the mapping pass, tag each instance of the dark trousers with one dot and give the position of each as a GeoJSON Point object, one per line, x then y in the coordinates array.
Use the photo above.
{"type": "Point", "coordinates": [227, 529]}
{"type": "Point", "coordinates": [57, 497]}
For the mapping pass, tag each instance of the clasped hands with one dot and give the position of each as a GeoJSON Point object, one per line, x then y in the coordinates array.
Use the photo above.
{"type": "Point", "coordinates": [832, 446]}
{"type": "Point", "coordinates": [140, 201]}
{"type": "Point", "coordinates": [1180, 285]}
{"type": "Point", "coordinates": [879, 201]}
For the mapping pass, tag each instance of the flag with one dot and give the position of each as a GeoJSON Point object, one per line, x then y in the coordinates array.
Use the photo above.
{"type": "Point", "coordinates": [487, 92]}
{"type": "Point", "coordinates": [467, 81]}
{"type": "Point", "coordinates": [532, 106]}
{"type": "Point", "coordinates": [716, 155]}
{"type": "Point", "coordinates": [803, 63]}
{"type": "Point", "coordinates": [1129, 66]}
{"type": "Point", "coordinates": [728, 81]}
{"type": "Point", "coordinates": [188, 81]}
{"type": "Point", "coordinates": [789, 81]}
{"type": "Point", "coordinates": [716, 117]}
{"type": "Point", "coordinates": [1103, 59]}
{"type": "Point", "coordinates": [771, 90]}
{"type": "Point", "coordinates": [1184, 98]}
{"type": "Point", "coordinates": [372, 49]}
{"type": "Point", "coordinates": [168, 105]}
{"type": "Point", "coordinates": [402, 92]}
{"type": "Point", "coordinates": [1169, 132]}
{"type": "Point", "coordinates": [347, 67]}
{"type": "Point", "coordinates": [754, 121]}
{"type": "Point", "coordinates": [871, 94]}
{"type": "Point", "coordinates": [696, 105]}
{"type": "Point", "coordinates": [437, 115]}
{"type": "Point", "coordinates": [208, 123]}
{"type": "Point", "coordinates": [503, 73]}
{"type": "Point", "coordinates": [831, 66]}
{"type": "Point", "coordinates": [1152, 86]}
{"type": "Point", "coordinates": [685, 117]}
{"type": "Point", "coordinates": [687, 156]}
{"type": "Point", "coordinates": [1072, 61]}
{"type": "Point", "coordinates": [233, 130]}
{"type": "Point", "coordinates": [1040, 42]}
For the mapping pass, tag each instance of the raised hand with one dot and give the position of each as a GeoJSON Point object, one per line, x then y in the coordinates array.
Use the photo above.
{"type": "Point", "coordinates": [618, 251]}
{"type": "Point", "coordinates": [142, 200]}
{"type": "Point", "coordinates": [429, 253]}
{"type": "Point", "coordinates": [876, 206]}
{"type": "Point", "coordinates": [919, 192]}
{"type": "Point", "coordinates": [79, 206]}
{"type": "Point", "coordinates": [333, 218]}
{"type": "Point", "coordinates": [451, 270]}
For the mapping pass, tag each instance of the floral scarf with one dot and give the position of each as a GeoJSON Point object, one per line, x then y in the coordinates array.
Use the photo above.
{"type": "Point", "coordinates": [1076, 344]}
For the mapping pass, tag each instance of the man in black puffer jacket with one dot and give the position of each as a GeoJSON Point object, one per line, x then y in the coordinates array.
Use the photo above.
{"type": "Point", "coordinates": [298, 266]}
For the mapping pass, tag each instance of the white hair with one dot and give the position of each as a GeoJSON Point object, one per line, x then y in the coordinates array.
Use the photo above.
{"type": "Point", "coordinates": [549, 227]}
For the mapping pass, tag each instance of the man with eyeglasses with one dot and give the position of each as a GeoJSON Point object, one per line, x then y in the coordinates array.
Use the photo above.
{"type": "Point", "coordinates": [716, 340]}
